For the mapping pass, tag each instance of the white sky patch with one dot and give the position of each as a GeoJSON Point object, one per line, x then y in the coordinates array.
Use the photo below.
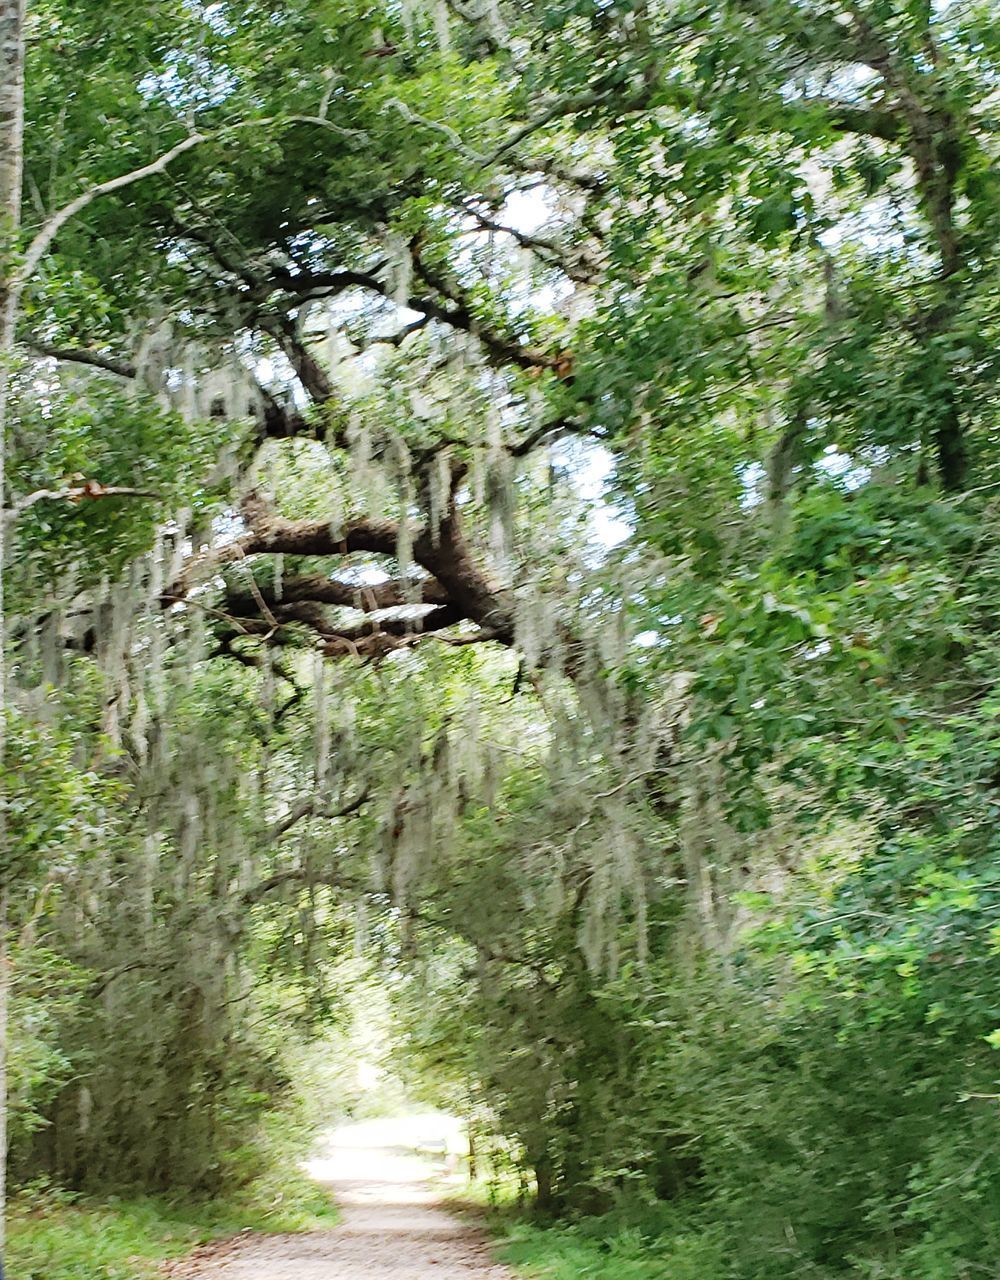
{"type": "Point", "coordinates": [752, 477]}
{"type": "Point", "coordinates": [528, 211]}
{"type": "Point", "coordinates": [214, 16]}
{"type": "Point", "coordinates": [591, 467]}
{"type": "Point", "coordinates": [842, 467]}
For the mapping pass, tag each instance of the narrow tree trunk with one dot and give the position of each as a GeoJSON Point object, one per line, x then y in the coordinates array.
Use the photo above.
{"type": "Point", "coordinates": [5, 985]}
{"type": "Point", "coordinates": [11, 166]}
{"type": "Point", "coordinates": [473, 1157]}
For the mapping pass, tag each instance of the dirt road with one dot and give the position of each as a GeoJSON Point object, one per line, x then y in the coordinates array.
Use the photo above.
{"type": "Point", "coordinates": [391, 1227]}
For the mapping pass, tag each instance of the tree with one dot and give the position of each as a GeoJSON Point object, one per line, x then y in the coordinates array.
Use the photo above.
{"type": "Point", "coordinates": [11, 146]}
{"type": "Point", "coordinates": [359, 298]}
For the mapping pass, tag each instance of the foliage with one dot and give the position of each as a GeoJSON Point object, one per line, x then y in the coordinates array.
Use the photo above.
{"type": "Point", "coordinates": [675, 856]}
{"type": "Point", "coordinates": [70, 438]}
{"type": "Point", "coordinates": [53, 1236]}
{"type": "Point", "coordinates": [608, 1248]}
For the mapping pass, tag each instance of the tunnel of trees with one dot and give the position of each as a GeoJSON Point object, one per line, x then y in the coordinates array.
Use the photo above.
{"type": "Point", "coordinates": [504, 495]}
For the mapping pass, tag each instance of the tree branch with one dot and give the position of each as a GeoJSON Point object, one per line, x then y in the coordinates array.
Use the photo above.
{"type": "Point", "coordinates": [549, 250]}
{"type": "Point", "coordinates": [90, 490]}
{"type": "Point", "coordinates": [312, 807]}
{"type": "Point", "coordinates": [872, 122]}
{"type": "Point", "coordinates": [83, 355]}
{"type": "Point", "coordinates": [321, 589]}
{"type": "Point", "coordinates": [310, 373]}
{"type": "Point", "coordinates": [300, 875]}
{"type": "Point", "coordinates": [454, 310]}
{"type": "Point", "coordinates": [43, 239]}
{"type": "Point", "coordinates": [467, 591]}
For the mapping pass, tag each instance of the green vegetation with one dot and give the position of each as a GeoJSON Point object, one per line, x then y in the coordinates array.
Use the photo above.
{"type": "Point", "coordinates": [501, 582]}
{"type": "Point", "coordinates": [54, 1237]}
{"type": "Point", "coordinates": [611, 1250]}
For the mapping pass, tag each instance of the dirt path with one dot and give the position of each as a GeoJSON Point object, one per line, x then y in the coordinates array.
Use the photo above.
{"type": "Point", "coordinates": [391, 1226]}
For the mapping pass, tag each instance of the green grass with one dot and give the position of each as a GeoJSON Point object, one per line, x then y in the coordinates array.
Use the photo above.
{"type": "Point", "coordinates": [51, 1237]}
{"type": "Point", "coordinates": [636, 1242]}
{"type": "Point", "coordinates": [611, 1249]}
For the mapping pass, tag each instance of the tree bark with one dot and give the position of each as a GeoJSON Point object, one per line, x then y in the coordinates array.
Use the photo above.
{"type": "Point", "coordinates": [950, 446]}
{"type": "Point", "coordinates": [545, 1201]}
{"type": "Point", "coordinates": [12, 14]}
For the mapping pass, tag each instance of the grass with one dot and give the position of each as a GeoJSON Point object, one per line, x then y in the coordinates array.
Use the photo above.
{"type": "Point", "coordinates": [563, 1253]}
{"type": "Point", "coordinates": [53, 1237]}
{"type": "Point", "coordinates": [635, 1245]}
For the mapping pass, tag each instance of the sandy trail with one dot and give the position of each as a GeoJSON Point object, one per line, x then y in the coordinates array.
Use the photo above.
{"type": "Point", "coordinates": [391, 1226]}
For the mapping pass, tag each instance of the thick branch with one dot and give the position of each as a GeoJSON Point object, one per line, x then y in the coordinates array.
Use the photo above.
{"type": "Point", "coordinates": [313, 807]}
{"type": "Point", "coordinates": [89, 491]}
{"type": "Point", "coordinates": [313, 377]}
{"type": "Point", "coordinates": [549, 250]}
{"type": "Point", "coordinates": [285, 421]}
{"type": "Point", "coordinates": [370, 638]}
{"type": "Point", "coordinates": [300, 875]}
{"type": "Point", "coordinates": [466, 591]}
{"type": "Point", "coordinates": [872, 122]}
{"type": "Point", "coordinates": [320, 589]}
{"type": "Point", "coordinates": [83, 355]}
{"type": "Point", "coordinates": [452, 308]}
{"type": "Point", "coordinates": [447, 557]}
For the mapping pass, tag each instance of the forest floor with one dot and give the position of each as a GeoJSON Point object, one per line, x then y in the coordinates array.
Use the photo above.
{"type": "Point", "coordinates": [392, 1224]}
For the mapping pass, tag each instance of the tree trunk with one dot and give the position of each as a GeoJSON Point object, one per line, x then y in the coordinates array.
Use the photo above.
{"type": "Point", "coordinates": [11, 167]}
{"type": "Point", "coordinates": [952, 454]}
{"type": "Point", "coordinates": [5, 985]}
{"type": "Point", "coordinates": [544, 1194]}
{"type": "Point", "coordinates": [473, 1157]}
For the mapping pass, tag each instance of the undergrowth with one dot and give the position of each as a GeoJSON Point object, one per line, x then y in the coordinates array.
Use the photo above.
{"type": "Point", "coordinates": [55, 1236]}
{"type": "Point", "coordinates": [612, 1248]}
